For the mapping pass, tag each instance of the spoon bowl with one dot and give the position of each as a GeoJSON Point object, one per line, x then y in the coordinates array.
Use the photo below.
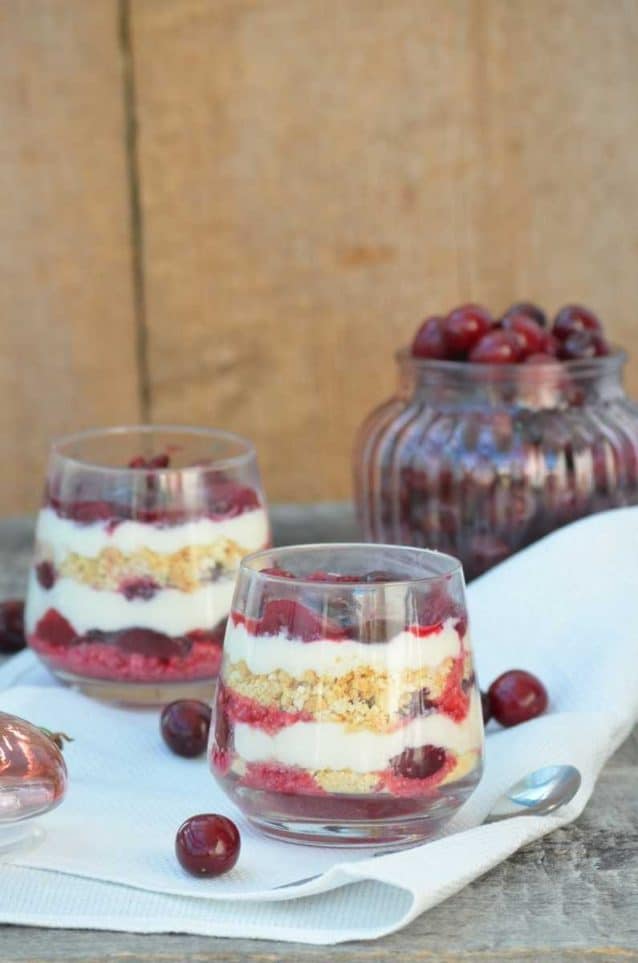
{"type": "Point", "coordinates": [538, 793]}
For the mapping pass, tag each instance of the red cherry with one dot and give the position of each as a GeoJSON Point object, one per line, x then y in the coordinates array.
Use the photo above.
{"type": "Point", "coordinates": [55, 629]}
{"type": "Point", "coordinates": [45, 574]}
{"type": "Point", "coordinates": [207, 845]}
{"type": "Point", "coordinates": [419, 763]}
{"type": "Point", "coordinates": [517, 696]}
{"type": "Point", "coordinates": [296, 621]}
{"type": "Point", "coordinates": [12, 626]}
{"type": "Point", "coordinates": [464, 327]}
{"type": "Point", "coordinates": [184, 725]}
{"type": "Point", "coordinates": [275, 570]}
{"type": "Point", "coordinates": [497, 347]}
{"type": "Point", "coordinates": [526, 309]}
{"type": "Point", "coordinates": [573, 318]}
{"type": "Point", "coordinates": [533, 337]}
{"type": "Point", "coordinates": [139, 588]}
{"type": "Point", "coordinates": [583, 344]}
{"type": "Point", "coordinates": [429, 341]}
{"type": "Point", "coordinates": [146, 642]}
{"type": "Point", "coordinates": [157, 461]}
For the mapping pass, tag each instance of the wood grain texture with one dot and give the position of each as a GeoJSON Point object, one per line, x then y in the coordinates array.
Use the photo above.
{"type": "Point", "coordinates": [67, 324]}
{"type": "Point", "coordinates": [315, 177]}
{"type": "Point", "coordinates": [568, 898]}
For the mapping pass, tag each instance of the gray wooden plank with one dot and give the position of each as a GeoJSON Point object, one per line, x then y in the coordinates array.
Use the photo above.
{"type": "Point", "coordinates": [569, 897]}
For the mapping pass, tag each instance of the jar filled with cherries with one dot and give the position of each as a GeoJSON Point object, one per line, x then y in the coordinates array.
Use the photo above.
{"type": "Point", "coordinates": [501, 431]}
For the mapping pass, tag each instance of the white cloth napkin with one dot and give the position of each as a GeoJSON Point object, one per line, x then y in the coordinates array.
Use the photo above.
{"type": "Point", "coordinates": [565, 608]}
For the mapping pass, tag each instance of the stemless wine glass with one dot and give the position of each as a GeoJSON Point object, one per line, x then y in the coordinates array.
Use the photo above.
{"type": "Point", "coordinates": [347, 709]}
{"type": "Point", "coordinates": [137, 546]}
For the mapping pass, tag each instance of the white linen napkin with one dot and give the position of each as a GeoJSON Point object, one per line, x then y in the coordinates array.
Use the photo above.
{"type": "Point", "coordinates": [566, 608]}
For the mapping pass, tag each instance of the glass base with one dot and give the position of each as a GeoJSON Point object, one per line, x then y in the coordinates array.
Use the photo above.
{"type": "Point", "coordinates": [19, 836]}
{"type": "Point", "coordinates": [381, 821]}
{"type": "Point", "coordinates": [139, 693]}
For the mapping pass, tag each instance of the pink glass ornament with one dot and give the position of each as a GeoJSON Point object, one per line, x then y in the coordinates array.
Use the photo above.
{"type": "Point", "coordinates": [33, 779]}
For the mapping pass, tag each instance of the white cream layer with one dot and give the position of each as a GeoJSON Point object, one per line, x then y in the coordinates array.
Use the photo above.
{"type": "Point", "coordinates": [268, 653]}
{"type": "Point", "coordinates": [169, 611]}
{"type": "Point", "coordinates": [327, 745]}
{"type": "Point", "coordinates": [59, 536]}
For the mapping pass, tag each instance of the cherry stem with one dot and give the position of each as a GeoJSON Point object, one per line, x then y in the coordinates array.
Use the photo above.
{"type": "Point", "coordinates": [59, 738]}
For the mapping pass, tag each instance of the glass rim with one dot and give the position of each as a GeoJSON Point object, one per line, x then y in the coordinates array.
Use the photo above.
{"type": "Point", "coordinates": [59, 443]}
{"type": "Point", "coordinates": [532, 372]}
{"type": "Point", "coordinates": [455, 565]}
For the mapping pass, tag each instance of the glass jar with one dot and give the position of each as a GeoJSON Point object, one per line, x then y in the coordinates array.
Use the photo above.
{"type": "Point", "coordinates": [137, 546]}
{"type": "Point", "coordinates": [481, 460]}
{"type": "Point", "coordinates": [347, 709]}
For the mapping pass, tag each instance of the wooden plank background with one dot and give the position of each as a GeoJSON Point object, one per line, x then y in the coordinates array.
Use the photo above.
{"type": "Point", "coordinates": [231, 212]}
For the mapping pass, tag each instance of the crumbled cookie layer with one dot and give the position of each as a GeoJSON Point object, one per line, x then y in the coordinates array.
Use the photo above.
{"type": "Point", "coordinates": [360, 699]}
{"type": "Point", "coordinates": [349, 782]}
{"type": "Point", "coordinates": [185, 570]}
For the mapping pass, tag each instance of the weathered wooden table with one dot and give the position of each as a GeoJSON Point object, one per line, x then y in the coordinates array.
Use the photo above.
{"type": "Point", "coordinates": [571, 896]}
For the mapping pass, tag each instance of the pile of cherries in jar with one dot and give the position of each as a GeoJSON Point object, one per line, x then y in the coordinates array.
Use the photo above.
{"type": "Point", "coordinates": [521, 335]}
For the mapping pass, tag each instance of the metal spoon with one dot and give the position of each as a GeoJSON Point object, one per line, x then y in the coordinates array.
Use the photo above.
{"type": "Point", "coordinates": [540, 792]}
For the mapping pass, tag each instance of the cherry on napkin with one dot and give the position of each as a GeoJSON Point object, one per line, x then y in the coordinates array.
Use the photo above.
{"type": "Point", "coordinates": [566, 609]}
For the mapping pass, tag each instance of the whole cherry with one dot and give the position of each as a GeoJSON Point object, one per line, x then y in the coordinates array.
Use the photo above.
{"type": "Point", "coordinates": [526, 309]}
{"type": "Point", "coordinates": [533, 337]}
{"type": "Point", "coordinates": [572, 318]}
{"type": "Point", "coordinates": [429, 341]}
{"type": "Point", "coordinates": [516, 696]}
{"type": "Point", "coordinates": [207, 844]}
{"type": "Point", "coordinates": [583, 344]}
{"type": "Point", "coordinates": [184, 726]}
{"type": "Point", "coordinates": [12, 626]}
{"type": "Point", "coordinates": [464, 327]}
{"type": "Point", "coordinates": [498, 347]}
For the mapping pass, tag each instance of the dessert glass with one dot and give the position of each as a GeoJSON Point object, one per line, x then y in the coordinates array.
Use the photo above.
{"type": "Point", "coordinates": [480, 460]}
{"type": "Point", "coordinates": [137, 545]}
{"type": "Point", "coordinates": [347, 710]}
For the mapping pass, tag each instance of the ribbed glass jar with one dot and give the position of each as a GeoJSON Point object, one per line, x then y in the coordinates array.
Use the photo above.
{"type": "Point", "coordinates": [481, 460]}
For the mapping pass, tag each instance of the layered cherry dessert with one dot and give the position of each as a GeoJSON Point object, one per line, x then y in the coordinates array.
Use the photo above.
{"type": "Point", "coordinates": [134, 567]}
{"type": "Point", "coordinates": [347, 708]}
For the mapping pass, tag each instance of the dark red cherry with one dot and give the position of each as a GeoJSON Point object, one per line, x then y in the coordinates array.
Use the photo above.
{"type": "Point", "coordinates": [429, 341]}
{"type": "Point", "coordinates": [159, 461]}
{"type": "Point", "coordinates": [55, 629]}
{"type": "Point", "coordinates": [207, 845]}
{"type": "Point", "coordinates": [573, 318]}
{"type": "Point", "coordinates": [156, 461]}
{"type": "Point", "coordinates": [184, 725]}
{"type": "Point", "coordinates": [583, 344]}
{"type": "Point", "coordinates": [498, 347]}
{"type": "Point", "coordinates": [12, 626]}
{"type": "Point", "coordinates": [146, 642]}
{"type": "Point", "coordinates": [296, 621]}
{"type": "Point", "coordinates": [517, 696]}
{"type": "Point", "coordinates": [45, 574]}
{"type": "Point", "coordinates": [464, 327]}
{"type": "Point", "coordinates": [279, 572]}
{"type": "Point", "coordinates": [526, 309]}
{"type": "Point", "coordinates": [419, 763]}
{"type": "Point", "coordinates": [532, 335]}
{"type": "Point", "coordinates": [139, 588]}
